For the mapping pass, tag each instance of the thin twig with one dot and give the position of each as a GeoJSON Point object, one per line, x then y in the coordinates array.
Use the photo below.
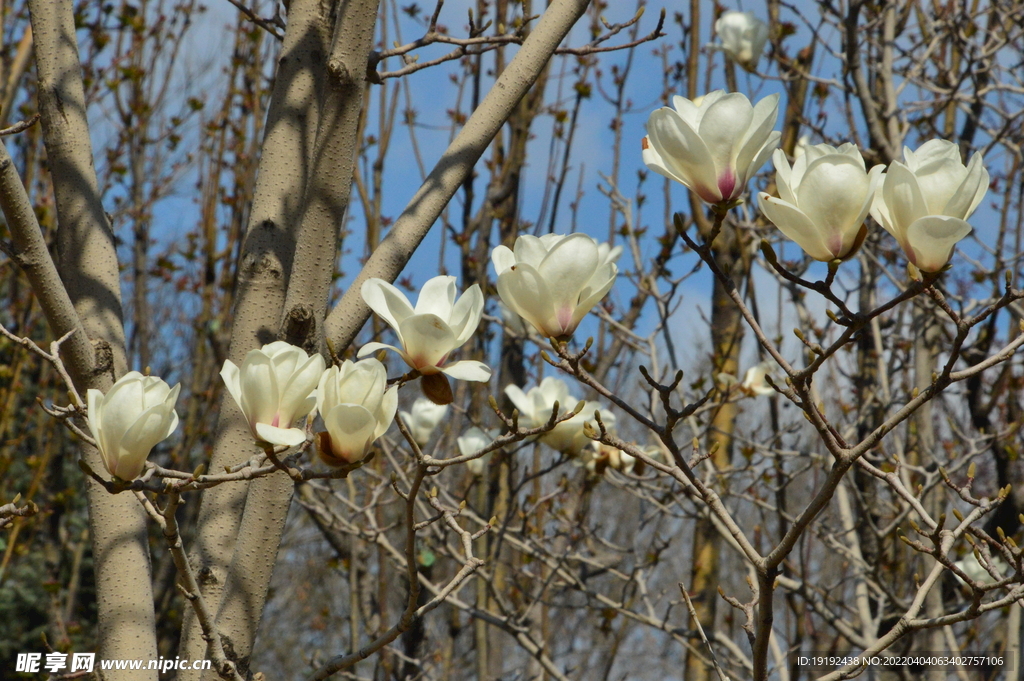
{"type": "Point", "coordinates": [700, 630]}
{"type": "Point", "coordinates": [271, 26]}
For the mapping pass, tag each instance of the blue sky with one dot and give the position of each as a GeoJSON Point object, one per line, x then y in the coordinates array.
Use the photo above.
{"type": "Point", "coordinates": [433, 93]}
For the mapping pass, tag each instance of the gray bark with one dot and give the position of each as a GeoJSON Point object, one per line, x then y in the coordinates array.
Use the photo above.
{"type": "Point", "coordinates": [88, 265]}
{"type": "Point", "coordinates": [316, 245]}
{"type": "Point", "coordinates": [263, 276]}
{"type": "Point", "coordinates": [390, 257]}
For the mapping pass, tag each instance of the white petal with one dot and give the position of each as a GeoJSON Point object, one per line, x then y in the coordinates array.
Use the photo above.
{"type": "Point", "coordinates": [875, 177]}
{"type": "Point", "coordinates": [516, 395]}
{"type": "Point", "coordinates": [502, 258]}
{"type": "Point", "coordinates": [684, 153]}
{"type": "Point", "coordinates": [172, 395]}
{"type": "Point", "coordinates": [155, 390]}
{"type": "Point", "coordinates": [229, 374]}
{"type": "Point", "coordinates": [327, 389]}
{"type": "Point", "coordinates": [932, 150]}
{"type": "Point", "coordinates": [150, 428]}
{"type": "Point", "coordinates": [364, 384]}
{"type": "Point", "coordinates": [291, 437]}
{"type": "Point", "coordinates": [294, 399]}
{"type": "Point", "coordinates": [260, 393]}
{"type": "Point", "coordinates": [553, 390]}
{"type": "Point", "coordinates": [567, 436]}
{"type": "Point", "coordinates": [939, 180]}
{"type": "Point", "coordinates": [795, 225]}
{"type": "Point", "coordinates": [465, 316]}
{"type": "Point", "coordinates": [122, 405]}
{"type": "Point", "coordinates": [371, 348]}
{"type": "Point", "coordinates": [932, 239]}
{"type": "Point", "coordinates": [966, 196]}
{"type": "Point", "coordinates": [983, 183]}
{"type": "Point", "coordinates": [879, 210]}
{"type": "Point", "coordinates": [902, 197]}
{"type": "Point", "coordinates": [386, 412]}
{"type": "Point", "coordinates": [609, 255]}
{"type": "Point", "coordinates": [597, 288]}
{"type": "Point", "coordinates": [427, 341]}
{"type": "Point", "coordinates": [653, 160]}
{"type": "Point", "coordinates": [94, 403]}
{"type": "Point", "coordinates": [850, 149]}
{"type": "Point", "coordinates": [425, 412]}
{"type": "Point", "coordinates": [437, 297]}
{"type": "Point", "coordinates": [832, 194]}
{"type": "Point", "coordinates": [387, 301]}
{"type": "Point", "coordinates": [527, 294]}
{"type": "Point", "coordinates": [566, 271]}
{"type": "Point", "coordinates": [285, 358]}
{"type": "Point", "coordinates": [723, 129]}
{"type": "Point", "coordinates": [753, 140]}
{"type": "Point", "coordinates": [688, 110]}
{"type": "Point", "coordinates": [532, 250]}
{"type": "Point", "coordinates": [468, 370]}
{"type": "Point", "coordinates": [783, 176]}
{"type": "Point", "coordinates": [352, 431]}
{"type": "Point", "coordinates": [760, 158]}
{"type": "Point", "coordinates": [472, 441]}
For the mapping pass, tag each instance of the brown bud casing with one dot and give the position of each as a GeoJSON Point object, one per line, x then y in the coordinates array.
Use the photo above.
{"type": "Point", "coordinates": [437, 389]}
{"type": "Point", "coordinates": [326, 451]}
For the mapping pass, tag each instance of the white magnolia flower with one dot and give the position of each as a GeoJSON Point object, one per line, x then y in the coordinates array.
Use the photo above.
{"type": "Point", "coordinates": [553, 281]}
{"type": "Point", "coordinates": [473, 440]}
{"type": "Point", "coordinates": [823, 199]}
{"type": "Point", "coordinates": [535, 410]}
{"type": "Point", "coordinates": [754, 380]}
{"type": "Point", "coordinates": [713, 148]}
{"type": "Point", "coordinates": [600, 457]}
{"type": "Point", "coordinates": [274, 387]}
{"type": "Point", "coordinates": [743, 37]}
{"type": "Point", "coordinates": [973, 568]}
{"type": "Point", "coordinates": [357, 408]}
{"type": "Point", "coordinates": [925, 201]}
{"type": "Point", "coordinates": [135, 414]}
{"type": "Point", "coordinates": [424, 419]}
{"type": "Point", "coordinates": [428, 334]}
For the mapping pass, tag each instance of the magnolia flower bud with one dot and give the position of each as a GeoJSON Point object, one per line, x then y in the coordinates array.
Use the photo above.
{"type": "Point", "coordinates": [473, 440]}
{"type": "Point", "coordinates": [356, 406]}
{"type": "Point", "coordinates": [714, 148]}
{"type": "Point", "coordinates": [535, 410]}
{"type": "Point", "coordinates": [428, 334]}
{"type": "Point", "coordinates": [274, 387]}
{"type": "Point", "coordinates": [553, 281]}
{"type": "Point", "coordinates": [823, 200]}
{"type": "Point", "coordinates": [135, 414]}
{"type": "Point", "coordinates": [743, 37]}
{"type": "Point", "coordinates": [424, 419]}
{"type": "Point", "coordinates": [925, 201]}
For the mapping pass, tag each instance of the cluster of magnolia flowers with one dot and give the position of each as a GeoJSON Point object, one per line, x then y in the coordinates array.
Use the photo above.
{"type": "Point", "coordinates": [276, 385]}
{"type": "Point", "coordinates": [713, 146]}
{"type": "Point", "coordinates": [551, 282]}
